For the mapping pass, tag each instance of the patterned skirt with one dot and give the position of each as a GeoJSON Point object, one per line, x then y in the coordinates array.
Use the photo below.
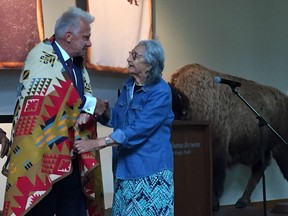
{"type": "Point", "coordinates": [149, 196]}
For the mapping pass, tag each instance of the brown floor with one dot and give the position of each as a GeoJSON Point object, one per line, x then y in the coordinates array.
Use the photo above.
{"type": "Point", "coordinates": [248, 211]}
{"type": "Point", "coordinates": [232, 211]}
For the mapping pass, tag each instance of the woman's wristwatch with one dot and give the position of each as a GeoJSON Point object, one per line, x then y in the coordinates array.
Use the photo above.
{"type": "Point", "coordinates": [107, 140]}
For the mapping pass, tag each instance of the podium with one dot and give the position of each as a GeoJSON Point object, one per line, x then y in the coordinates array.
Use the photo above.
{"type": "Point", "coordinates": [192, 168]}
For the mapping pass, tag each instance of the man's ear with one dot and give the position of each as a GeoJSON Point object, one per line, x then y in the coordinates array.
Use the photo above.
{"type": "Point", "coordinates": [68, 36]}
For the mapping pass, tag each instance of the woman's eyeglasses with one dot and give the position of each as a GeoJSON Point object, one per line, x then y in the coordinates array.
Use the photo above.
{"type": "Point", "coordinates": [134, 55]}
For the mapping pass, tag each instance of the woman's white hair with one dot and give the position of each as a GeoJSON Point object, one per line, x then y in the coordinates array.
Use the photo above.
{"type": "Point", "coordinates": [154, 56]}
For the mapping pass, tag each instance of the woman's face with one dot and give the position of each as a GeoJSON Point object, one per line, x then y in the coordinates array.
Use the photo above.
{"type": "Point", "coordinates": [137, 67]}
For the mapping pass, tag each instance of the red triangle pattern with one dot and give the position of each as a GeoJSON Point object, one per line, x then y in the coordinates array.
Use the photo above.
{"type": "Point", "coordinates": [48, 163]}
{"type": "Point", "coordinates": [26, 187]}
{"type": "Point", "coordinates": [25, 125]}
{"type": "Point", "coordinates": [57, 99]}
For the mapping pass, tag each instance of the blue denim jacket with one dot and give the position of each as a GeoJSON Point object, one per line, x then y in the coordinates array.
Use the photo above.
{"type": "Point", "coordinates": [142, 126]}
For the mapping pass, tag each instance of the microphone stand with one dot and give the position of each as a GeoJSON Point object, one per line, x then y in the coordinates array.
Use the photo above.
{"type": "Point", "coordinates": [262, 122]}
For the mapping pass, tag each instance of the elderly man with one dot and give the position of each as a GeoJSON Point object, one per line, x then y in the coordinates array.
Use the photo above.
{"type": "Point", "coordinates": [44, 172]}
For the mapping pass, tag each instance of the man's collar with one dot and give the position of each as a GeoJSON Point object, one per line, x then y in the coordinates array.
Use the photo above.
{"type": "Point", "coordinates": [63, 52]}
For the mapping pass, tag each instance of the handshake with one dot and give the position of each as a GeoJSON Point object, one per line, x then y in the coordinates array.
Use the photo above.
{"type": "Point", "coordinates": [102, 111]}
{"type": "Point", "coordinates": [101, 114]}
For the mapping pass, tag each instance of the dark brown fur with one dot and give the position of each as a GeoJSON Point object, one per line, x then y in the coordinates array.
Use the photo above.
{"type": "Point", "coordinates": [235, 133]}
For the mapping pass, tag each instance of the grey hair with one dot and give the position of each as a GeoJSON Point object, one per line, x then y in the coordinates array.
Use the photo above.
{"type": "Point", "coordinates": [155, 57]}
{"type": "Point", "coordinates": [70, 21]}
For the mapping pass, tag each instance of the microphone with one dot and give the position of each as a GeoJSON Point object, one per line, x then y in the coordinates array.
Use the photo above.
{"type": "Point", "coordinates": [232, 84]}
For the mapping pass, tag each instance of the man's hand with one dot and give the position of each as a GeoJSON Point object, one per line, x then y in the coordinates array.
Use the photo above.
{"type": "Point", "coordinates": [4, 141]}
{"type": "Point", "coordinates": [83, 119]}
{"type": "Point", "coordinates": [102, 106]}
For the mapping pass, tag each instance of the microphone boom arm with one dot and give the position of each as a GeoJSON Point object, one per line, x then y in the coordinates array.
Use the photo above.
{"type": "Point", "coordinates": [263, 122]}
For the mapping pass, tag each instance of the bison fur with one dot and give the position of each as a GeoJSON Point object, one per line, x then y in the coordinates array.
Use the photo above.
{"type": "Point", "coordinates": [236, 136]}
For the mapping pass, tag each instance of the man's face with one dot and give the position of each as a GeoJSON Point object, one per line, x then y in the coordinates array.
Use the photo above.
{"type": "Point", "coordinates": [80, 41]}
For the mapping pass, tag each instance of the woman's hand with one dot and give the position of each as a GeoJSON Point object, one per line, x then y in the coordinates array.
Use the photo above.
{"type": "Point", "coordinates": [82, 146]}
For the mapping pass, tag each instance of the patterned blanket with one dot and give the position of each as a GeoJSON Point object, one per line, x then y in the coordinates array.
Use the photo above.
{"type": "Point", "coordinates": [43, 132]}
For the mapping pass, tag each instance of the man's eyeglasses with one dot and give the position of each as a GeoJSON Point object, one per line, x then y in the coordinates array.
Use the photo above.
{"type": "Point", "coordinates": [134, 55]}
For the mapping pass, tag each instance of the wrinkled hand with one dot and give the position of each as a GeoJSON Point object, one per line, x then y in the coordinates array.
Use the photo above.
{"type": "Point", "coordinates": [82, 146]}
{"type": "Point", "coordinates": [102, 106]}
{"type": "Point", "coordinates": [4, 141]}
{"type": "Point", "coordinates": [83, 119]}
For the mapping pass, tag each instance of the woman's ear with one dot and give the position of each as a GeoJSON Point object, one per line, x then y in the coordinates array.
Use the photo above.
{"type": "Point", "coordinates": [149, 68]}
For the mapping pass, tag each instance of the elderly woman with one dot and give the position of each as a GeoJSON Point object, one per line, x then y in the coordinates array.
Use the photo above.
{"type": "Point", "coordinates": [142, 152]}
